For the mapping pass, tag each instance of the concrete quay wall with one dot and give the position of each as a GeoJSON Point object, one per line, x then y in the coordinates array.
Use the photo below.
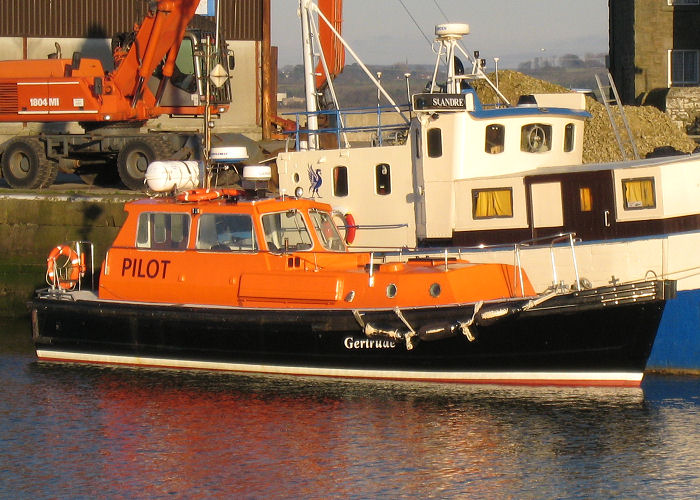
{"type": "Point", "coordinates": [31, 224]}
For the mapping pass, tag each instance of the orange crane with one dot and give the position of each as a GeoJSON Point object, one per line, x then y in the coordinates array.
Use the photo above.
{"type": "Point", "coordinates": [158, 69]}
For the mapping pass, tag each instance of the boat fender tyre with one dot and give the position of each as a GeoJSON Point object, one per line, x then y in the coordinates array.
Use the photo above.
{"type": "Point", "coordinates": [133, 160]}
{"type": "Point", "coordinates": [70, 261]}
{"type": "Point", "coordinates": [351, 228]}
{"type": "Point", "coordinates": [25, 166]}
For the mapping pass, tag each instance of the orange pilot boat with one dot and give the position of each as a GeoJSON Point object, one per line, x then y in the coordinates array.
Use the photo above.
{"type": "Point", "coordinates": [241, 281]}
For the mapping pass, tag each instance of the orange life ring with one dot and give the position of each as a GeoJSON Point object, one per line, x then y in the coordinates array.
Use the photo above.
{"type": "Point", "coordinates": [73, 263]}
{"type": "Point", "coordinates": [350, 228]}
{"type": "Point", "coordinates": [199, 194]}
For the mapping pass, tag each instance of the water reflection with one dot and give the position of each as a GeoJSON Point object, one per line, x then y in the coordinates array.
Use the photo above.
{"type": "Point", "coordinates": [77, 430]}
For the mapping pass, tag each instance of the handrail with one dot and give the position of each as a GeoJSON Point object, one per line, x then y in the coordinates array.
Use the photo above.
{"type": "Point", "coordinates": [443, 254]}
{"type": "Point", "coordinates": [380, 128]}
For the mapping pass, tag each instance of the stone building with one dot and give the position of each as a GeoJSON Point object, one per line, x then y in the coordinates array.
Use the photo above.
{"type": "Point", "coordinates": [655, 55]}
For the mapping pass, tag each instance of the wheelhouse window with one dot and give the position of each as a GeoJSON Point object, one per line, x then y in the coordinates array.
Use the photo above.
{"type": "Point", "coordinates": [226, 233]}
{"type": "Point", "coordinates": [639, 193]}
{"type": "Point", "coordinates": [326, 231]}
{"type": "Point", "coordinates": [492, 203]}
{"type": "Point", "coordinates": [569, 131]}
{"type": "Point", "coordinates": [286, 231]}
{"type": "Point", "coordinates": [536, 138]}
{"type": "Point", "coordinates": [435, 143]}
{"type": "Point", "coordinates": [340, 181]}
{"type": "Point", "coordinates": [382, 179]}
{"type": "Point", "coordinates": [495, 138]}
{"type": "Point", "coordinates": [683, 68]}
{"type": "Point", "coordinates": [163, 231]}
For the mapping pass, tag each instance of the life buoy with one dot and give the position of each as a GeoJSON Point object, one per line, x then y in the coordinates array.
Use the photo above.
{"type": "Point", "coordinates": [199, 194]}
{"type": "Point", "coordinates": [350, 228]}
{"type": "Point", "coordinates": [73, 266]}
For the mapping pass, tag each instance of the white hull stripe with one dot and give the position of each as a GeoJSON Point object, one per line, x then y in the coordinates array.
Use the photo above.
{"type": "Point", "coordinates": [73, 82]}
{"type": "Point", "coordinates": [59, 112]}
{"type": "Point", "coordinates": [567, 378]}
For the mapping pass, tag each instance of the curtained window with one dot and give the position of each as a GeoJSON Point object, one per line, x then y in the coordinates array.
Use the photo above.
{"type": "Point", "coordinates": [638, 193]}
{"type": "Point", "coordinates": [585, 199]}
{"type": "Point", "coordinates": [491, 203]}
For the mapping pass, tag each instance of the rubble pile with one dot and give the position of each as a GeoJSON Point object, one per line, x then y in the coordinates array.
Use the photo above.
{"type": "Point", "coordinates": [652, 129]}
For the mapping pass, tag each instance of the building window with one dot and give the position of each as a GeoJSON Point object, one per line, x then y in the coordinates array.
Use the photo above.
{"type": "Point", "coordinates": [340, 181]}
{"type": "Point", "coordinates": [536, 138]}
{"type": "Point", "coordinates": [683, 67]}
{"type": "Point", "coordinates": [382, 179]}
{"type": "Point", "coordinates": [492, 203]}
{"type": "Point", "coordinates": [434, 143]}
{"type": "Point", "coordinates": [163, 231]}
{"type": "Point", "coordinates": [569, 137]}
{"type": "Point", "coordinates": [585, 199]}
{"type": "Point", "coordinates": [638, 193]}
{"type": "Point", "coordinates": [495, 138]}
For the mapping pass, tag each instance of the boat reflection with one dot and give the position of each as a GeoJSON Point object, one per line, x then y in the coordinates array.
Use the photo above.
{"type": "Point", "coordinates": [170, 432]}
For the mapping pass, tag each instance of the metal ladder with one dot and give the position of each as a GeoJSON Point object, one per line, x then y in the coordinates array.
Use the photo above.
{"type": "Point", "coordinates": [605, 91]}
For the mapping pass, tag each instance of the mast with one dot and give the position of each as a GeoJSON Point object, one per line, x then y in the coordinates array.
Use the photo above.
{"type": "Point", "coordinates": [309, 77]}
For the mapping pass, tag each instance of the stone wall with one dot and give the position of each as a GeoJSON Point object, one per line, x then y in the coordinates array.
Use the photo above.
{"type": "Point", "coordinates": [683, 106]}
{"type": "Point", "coordinates": [31, 225]}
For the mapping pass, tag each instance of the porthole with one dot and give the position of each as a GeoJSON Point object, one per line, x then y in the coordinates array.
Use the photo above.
{"type": "Point", "coordinates": [296, 177]}
{"type": "Point", "coordinates": [435, 290]}
{"type": "Point", "coordinates": [391, 291]}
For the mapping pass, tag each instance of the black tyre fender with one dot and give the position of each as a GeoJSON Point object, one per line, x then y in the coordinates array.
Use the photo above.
{"type": "Point", "coordinates": [25, 166]}
{"type": "Point", "coordinates": [134, 157]}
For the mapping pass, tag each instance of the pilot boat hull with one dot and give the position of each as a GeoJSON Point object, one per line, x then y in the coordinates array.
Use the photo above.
{"type": "Point", "coordinates": [601, 336]}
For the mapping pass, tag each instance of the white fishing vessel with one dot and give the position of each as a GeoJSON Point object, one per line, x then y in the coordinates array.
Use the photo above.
{"type": "Point", "coordinates": [451, 170]}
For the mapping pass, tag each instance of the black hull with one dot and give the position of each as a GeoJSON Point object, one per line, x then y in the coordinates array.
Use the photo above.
{"type": "Point", "coordinates": [595, 337]}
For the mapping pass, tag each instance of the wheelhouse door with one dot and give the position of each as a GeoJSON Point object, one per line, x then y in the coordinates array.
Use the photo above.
{"type": "Point", "coordinates": [582, 203]}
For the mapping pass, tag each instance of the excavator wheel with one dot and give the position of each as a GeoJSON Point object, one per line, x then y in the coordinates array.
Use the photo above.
{"type": "Point", "coordinates": [24, 164]}
{"type": "Point", "coordinates": [134, 157]}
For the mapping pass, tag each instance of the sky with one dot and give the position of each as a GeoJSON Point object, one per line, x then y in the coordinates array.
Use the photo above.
{"type": "Point", "coordinates": [383, 32]}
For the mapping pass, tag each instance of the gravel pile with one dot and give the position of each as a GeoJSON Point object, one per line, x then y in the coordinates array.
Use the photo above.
{"type": "Point", "coordinates": [652, 129]}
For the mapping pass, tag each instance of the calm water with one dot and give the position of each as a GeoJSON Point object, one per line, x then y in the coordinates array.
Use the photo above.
{"type": "Point", "coordinates": [119, 433]}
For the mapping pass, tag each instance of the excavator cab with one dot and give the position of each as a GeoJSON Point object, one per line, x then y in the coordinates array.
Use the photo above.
{"type": "Point", "coordinates": [186, 86]}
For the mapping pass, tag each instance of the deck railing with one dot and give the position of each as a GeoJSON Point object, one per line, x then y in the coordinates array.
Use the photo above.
{"type": "Point", "coordinates": [378, 126]}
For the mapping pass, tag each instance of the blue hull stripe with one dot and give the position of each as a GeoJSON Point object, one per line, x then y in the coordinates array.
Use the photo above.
{"type": "Point", "coordinates": [677, 344]}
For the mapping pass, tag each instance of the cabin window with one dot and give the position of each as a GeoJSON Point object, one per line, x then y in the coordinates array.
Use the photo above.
{"type": "Point", "coordinates": [382, 179]}
{"type": "Point", "coordinates": [226, 233]}
{"type": "Point", "coordinates": [340, 181]}
{"type": "Point", "coordinates": [536, 138]}
{"type": "Point", "coordinates": [585, 199]}
{"type": "Point", "coordinates": [569, 137]}
{"type": "Point", "coordinates": [286, 231]}
{"type": "Point", "coordinates": [492, 203]}
{"type": "Point", "coordinates": [163, 231]}
{"type": "Point", "coordinates": [638, 193]}
{"type": "Point", "coordinates": [326, 231]}
{"type": "Point", "coordinates": [495, 138]}
{"type": "Point", "coordinates": [435, 143]}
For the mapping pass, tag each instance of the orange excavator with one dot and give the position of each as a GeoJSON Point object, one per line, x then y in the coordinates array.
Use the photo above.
{"type": "Point", "coordinates": [159, 69]}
